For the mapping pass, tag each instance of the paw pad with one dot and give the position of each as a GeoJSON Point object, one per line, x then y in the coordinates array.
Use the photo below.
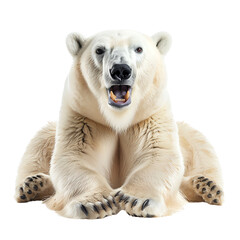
{"type": "Point", "coordinates": [31, 187]}
{"type": "Point", "coordinates": [208, 190]}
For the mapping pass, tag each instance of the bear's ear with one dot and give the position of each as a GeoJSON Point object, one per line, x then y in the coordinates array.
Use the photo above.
{"type": "Point", "coordinates": [163, 41]}
{"type": "Point", "coordinates": [74, 43]}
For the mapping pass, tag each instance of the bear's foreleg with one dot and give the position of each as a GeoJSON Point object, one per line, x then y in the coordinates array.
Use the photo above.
{"type": "Point", "coordinates": [79, 169]}
{"type": "Point", "coordinates": [153, 167]}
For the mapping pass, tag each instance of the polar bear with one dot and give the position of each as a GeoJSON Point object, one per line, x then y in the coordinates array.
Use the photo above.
{"type": "Point", "coordinates": [116, 145]}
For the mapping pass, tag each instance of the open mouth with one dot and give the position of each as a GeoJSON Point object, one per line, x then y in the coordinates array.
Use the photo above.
{"type": "Point", "coordinates": [119, 95]}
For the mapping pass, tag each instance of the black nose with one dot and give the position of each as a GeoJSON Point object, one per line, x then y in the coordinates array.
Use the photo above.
{"type": "Point", "coordinates": [120, 72]}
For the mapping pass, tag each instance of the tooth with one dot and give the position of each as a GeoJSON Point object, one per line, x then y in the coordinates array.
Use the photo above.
{"type": "Point", "coordinates": [120, 100]}
{"type": "Point", "coordinates": [127, 95]}
{"type": "Point", "coordinates": [113, 97]}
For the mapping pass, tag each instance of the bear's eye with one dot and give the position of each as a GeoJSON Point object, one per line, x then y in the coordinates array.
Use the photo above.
{"type": "Point", "coordinates": [138, 50]}
{"type": "Point", "coordinates": [100, 51]}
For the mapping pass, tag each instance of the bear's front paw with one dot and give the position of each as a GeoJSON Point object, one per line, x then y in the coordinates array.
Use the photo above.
{"type": "Point", "coordinates": [92, 207]}
{"type": "Point", "coordinates": [139, 207]}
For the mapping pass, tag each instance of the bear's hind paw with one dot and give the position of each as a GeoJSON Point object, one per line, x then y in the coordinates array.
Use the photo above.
{"type": "Point", "coordinates": [208, 190]}
{"type": "Point", "coordinates": [32, 187]}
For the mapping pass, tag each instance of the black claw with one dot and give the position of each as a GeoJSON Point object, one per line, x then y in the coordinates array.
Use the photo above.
{"type": "Point", "coordinates": [198, 185]}
{"type": "Point", "coordinates": [34, 177]}
{"type": "Point", "coordinates": [114, 202]}
{"type": "Point", "coordinates": [121, 198]}
{"type": "Point", "coordinates": [215, 201]}
{"type": "Point", "coordinates": [30, 179]}
{"type": "Point", "coordinates": [205, 179]}
{"type": "Point", "coordinates": [150, 216]}
{"type": "Point", "coordinates": [126, 199]}
{"type": "Point", "coordinates": [21, 189]}
{"type": "Point", "coordinates": [145, 204]}
{"type": "Point", "coordinates": [204, 190]}
{"type": "Point", "coordinates": [209, 183]}
{"type": "Point", "coordinates": [39, 176]}
{"type": "Point", "coordinates": [134, 203]}
{"type": "Point", "coordinates": [134, 215]}
{"type": "Point", "coordinates": [103, 207]}
{"type": "Point", "coordinates": [117, 194]}
{"type": "Point", "coordinates": [35, 187]}
{"type": "Point", "coordinates": [95, 208]}
{"type": "Point", "coordinates": [41, 184]}
{"type": "Point", "coordinates": [218, 192]}
{"type": "Point", "coordinates": [29, 192]}
{"type": "Point", "coordinates": [23, 196]}
{"type": "Point", "coordinates": [213, 187]}
{"type": "Point", "coordinates": [27, 184]}
{"type": "Point", "coordinates": [209, 195]}
{"type": "Point", "coordinates": [200, 177]}
{"type": "Point", "coordinates": [109, 204]}
{"type": "Point", "coordinates": [85, 211]}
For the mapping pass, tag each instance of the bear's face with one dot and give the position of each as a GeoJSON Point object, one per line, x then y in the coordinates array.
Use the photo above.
{"type": "Point", "coordinates": [120, 69]}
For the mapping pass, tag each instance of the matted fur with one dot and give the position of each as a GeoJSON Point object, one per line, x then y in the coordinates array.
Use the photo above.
{"type": "Point", "coordinates": [102, 160]}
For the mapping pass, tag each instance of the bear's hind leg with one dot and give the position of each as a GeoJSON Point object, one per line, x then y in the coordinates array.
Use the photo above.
{"type": "Point", "coordinates": [33, 181]}
{"type": "Point", "coordinates": [202, 179]}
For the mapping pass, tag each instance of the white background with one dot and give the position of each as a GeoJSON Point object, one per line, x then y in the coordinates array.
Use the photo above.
{"type": "Point", "coordinates": [203, 73]}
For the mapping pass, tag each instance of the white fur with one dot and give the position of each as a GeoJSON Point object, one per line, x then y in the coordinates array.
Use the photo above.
{"type": "Point", "coordinates": [163, 41]}
{"type": "Point", "coordinates": [74, 42]}
{"type": "Point", "coordinates": [136, 150]}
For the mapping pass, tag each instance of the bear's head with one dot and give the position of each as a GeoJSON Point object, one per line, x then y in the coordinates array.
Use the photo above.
{"type": "Point", "coordinates": [121, 75]}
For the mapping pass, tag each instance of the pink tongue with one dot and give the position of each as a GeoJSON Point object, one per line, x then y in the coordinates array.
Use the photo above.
{"type": "Point", "coordinates": [119, 93]}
